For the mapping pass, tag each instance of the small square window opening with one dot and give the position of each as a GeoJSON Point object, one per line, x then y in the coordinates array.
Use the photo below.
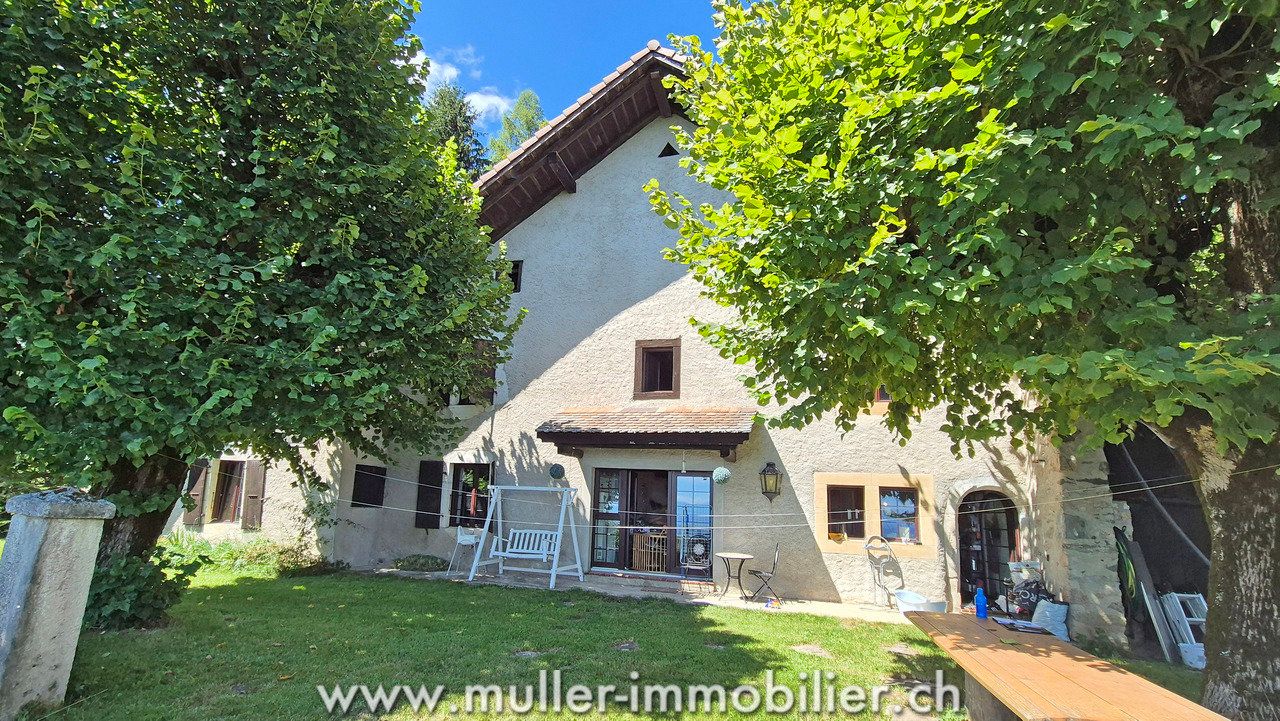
{"type": "Point", "coordinates": [517, 274]}
{"type": "Point", "coordinates": [657, 372]}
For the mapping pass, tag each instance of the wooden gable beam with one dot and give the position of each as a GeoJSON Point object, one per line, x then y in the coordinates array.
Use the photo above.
{"type": "Point", "coordinates": [561, 171]}
{"type": "Point", "coordinates": [660, 94]}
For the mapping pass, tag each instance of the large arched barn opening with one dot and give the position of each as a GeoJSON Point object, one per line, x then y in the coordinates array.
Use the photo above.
{"type": "Point", "coordinates": [988, 534]}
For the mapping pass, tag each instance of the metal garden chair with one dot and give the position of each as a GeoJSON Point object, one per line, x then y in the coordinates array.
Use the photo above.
{"type": "Point", "coordinates": [766, 576]}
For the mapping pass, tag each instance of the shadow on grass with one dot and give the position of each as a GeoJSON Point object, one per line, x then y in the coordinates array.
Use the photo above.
{"type": "Point", "coordinates": [917, 660]}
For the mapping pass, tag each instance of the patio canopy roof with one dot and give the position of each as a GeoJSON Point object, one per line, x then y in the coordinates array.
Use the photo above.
{"type": "Point", "coordinates": [702, 429]}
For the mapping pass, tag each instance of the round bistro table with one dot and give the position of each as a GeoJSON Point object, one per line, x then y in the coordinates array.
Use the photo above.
{"type": "Point", "coordinates": [730, 574]}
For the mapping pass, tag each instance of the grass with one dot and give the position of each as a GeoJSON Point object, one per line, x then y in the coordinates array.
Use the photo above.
{"type": "Point", "coordinates": [244, 644]}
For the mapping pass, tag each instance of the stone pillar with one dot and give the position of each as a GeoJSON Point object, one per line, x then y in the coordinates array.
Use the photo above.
{"type": "Point", "coordinates": [44, 584]}
{"type": "Point", "coordinates": [1088, 515]}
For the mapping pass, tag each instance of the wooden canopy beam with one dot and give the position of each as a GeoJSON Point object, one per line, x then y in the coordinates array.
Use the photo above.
{"type": "Point", "coordinates": [570, 451]}
{"type": "Point", "coordinates": [561, 171]}
{"type": "Point", "coordinates": [660, 94]}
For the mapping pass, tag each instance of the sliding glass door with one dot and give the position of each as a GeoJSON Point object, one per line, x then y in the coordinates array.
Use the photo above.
{"type": "Point", "coordinates": [692, 503]}
{"type": "Point", "coordinates": [652, 521]}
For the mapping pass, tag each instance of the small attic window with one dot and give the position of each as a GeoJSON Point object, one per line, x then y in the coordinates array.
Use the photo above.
{"type": "Point", "coordinates": [668, 151]}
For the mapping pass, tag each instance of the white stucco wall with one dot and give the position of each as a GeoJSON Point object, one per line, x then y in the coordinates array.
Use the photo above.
{"type": "Point", "coordinates": [286, 517]}
{"type": "Point", "coordinates": [595, 282]}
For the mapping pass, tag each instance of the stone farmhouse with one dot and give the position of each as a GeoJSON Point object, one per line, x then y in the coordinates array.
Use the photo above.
{"type": "Point", "coordinates": [610, 391]}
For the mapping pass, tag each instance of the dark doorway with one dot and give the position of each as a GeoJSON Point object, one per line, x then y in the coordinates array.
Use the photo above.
{"type": "Point", "coordinates": [1173, 565]}
{"type": "Point", "coordinates": [226, 499]}
{"type": "Point", "coordinates": [652, 521]}
{"type": "Point", "coordinates": [988, 524]}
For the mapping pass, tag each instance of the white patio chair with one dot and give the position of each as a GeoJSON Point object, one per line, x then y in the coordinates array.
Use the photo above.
{"type": "Point", "coordinates": [465, 537]}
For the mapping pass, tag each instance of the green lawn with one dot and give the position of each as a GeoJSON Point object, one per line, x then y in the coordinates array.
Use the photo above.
{"type": "Point", "coordinates": [244, 644]}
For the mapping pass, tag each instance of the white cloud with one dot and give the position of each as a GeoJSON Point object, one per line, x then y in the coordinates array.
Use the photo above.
{"type": "Point", "coordinates": [489, 104]}
{"type": "Point", "coordinates": [452, 61]}
{"type": "Point", "coordinates": [447, 66]}
{"type": "Point", "coordinates": [440, 73]}
{"type": "Point", "coordinates": [465, 56]}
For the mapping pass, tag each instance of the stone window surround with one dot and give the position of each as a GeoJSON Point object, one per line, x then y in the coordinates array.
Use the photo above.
{"type": "Point", "coordinates": [872, 483]}
{"type": "Point", "coordinates": [450, 499]}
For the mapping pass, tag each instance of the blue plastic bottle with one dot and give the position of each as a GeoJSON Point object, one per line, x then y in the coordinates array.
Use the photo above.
{"type": "Point", "coordinates": [980, 603]}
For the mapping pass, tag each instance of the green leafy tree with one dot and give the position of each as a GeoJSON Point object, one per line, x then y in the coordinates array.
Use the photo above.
{"type": "Point", "coordinates": [226, 224]}
{"type": "Point", "coordinates": [451, 117]}
{"type": "Point", "coordinates": [518, 125]}
{"type": "Point", "coordinates": [1079, 198]}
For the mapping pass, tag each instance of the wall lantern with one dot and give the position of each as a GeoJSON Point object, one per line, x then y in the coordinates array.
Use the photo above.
{"type": "Point", "coordinates": [770, 481]}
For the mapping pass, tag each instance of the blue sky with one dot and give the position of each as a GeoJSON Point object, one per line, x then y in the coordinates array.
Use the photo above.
{"type": "Point", "coordinates": [559, 48]}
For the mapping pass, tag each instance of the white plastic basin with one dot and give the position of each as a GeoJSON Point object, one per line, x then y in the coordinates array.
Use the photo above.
{"type": "Point", "coordinates": [912, 601]}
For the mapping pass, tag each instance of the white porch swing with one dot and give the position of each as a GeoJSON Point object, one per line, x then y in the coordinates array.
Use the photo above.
{"type": "Point", "coordinates": [526, 543]}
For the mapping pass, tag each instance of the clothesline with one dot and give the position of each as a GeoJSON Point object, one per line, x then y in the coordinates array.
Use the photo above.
{"type": "Point", "coordinates": [1112, 489]}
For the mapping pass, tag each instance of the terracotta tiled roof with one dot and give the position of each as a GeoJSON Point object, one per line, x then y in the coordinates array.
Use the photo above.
{"type": "Point", "coordinates": [650, 420]}
{"type": "Point", "coordinates": [574, 141]}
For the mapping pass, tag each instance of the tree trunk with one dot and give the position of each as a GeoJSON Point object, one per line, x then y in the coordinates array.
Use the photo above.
{"type": "Point", "coordinates": [1251, 251]}
{"type": "Point", "coordinates": [1242, 505]}
{"type": "Point", "coordinates": [136, 535]}
{"type": "Point", "coordinates": [1243, 634]}
{"type": "Point", "coordinates": [1241, 491]}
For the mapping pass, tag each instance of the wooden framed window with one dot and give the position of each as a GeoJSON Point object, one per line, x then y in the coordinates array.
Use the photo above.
{"type": "Point", "coordinates": [657, 373]}
{"type": "Point", "coordinates": [470, 501]}
{"type": "Point", "coordinates": [846, 512]}
{"type": "Point", "coordinates": [226, 497]}
{"type": "Point", "coordinates": [900, 514]}
{"type": "Point", "coordinates": [370, 487]}
{"type": "Point", "coordinates": [517, 273]}
{"type": "Point", "coordinates": [486, 398]}
{"type": "Point", "coordinates": [880, 401]}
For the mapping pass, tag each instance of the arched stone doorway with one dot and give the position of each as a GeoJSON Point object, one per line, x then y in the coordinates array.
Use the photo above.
{"type": "Point", "coordinates": [987, 536]}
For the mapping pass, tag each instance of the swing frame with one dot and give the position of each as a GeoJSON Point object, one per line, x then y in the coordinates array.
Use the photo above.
{"type": "Point", "coordinates": [499, 542]}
